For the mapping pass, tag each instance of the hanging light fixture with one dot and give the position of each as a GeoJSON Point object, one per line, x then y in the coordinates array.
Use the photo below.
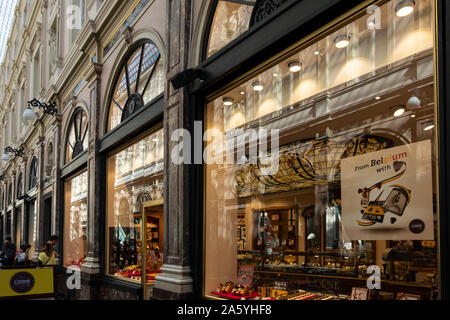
{"type": "Point", "coordinates": [404, 8]}
{"type": "Point", "coordinates": [17, 153]}
{"type": "Point", "coordinates": [30, 115]}
{"type": "Point", "coordinates": [342, 41]}
{"type": "Point", "coordinates": [295, 66]}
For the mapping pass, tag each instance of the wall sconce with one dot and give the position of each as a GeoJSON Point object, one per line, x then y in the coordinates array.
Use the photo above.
{"type": "Point", "coordinates": [30, 115]}
{"type": "Point", "coordinates": [8, 150]}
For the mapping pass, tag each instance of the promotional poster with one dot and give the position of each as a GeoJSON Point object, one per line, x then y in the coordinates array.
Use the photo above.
{"type": "Point", "coordinates": [387, 195]}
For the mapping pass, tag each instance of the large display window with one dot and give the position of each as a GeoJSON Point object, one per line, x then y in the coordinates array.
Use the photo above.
{"type": "Point", "coordinates": [75, 220]}
{"type": "Point", "coordinates": [321, 169]}
{"type": "Point", "coordinates": [135, 209]}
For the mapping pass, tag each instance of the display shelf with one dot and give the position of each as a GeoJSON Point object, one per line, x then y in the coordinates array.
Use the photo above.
{"type": "Point", "coordinates": [233, 297]}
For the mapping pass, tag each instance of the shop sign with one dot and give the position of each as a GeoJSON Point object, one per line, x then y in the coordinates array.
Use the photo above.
{"type": "Point", "coordinates": [26, 282]}
{"type": "Point", "coordinates": [22, 282]}
{"type": "Point", "coordinates": [388, 194]}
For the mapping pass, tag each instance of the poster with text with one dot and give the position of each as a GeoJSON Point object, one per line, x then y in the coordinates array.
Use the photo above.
{"type": "Point", "coordinates": [388, 194]}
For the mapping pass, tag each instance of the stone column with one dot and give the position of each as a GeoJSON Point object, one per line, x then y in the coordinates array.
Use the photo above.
{"type": "Point", "coordinates": [176, 280]}
{"type": "Point", "coordinates": [58, 195]}
{"type": "Point", "coordinates": [91, 269]}
{"type": "Point", "coordinates": [22, 205]}
{"type": "Point", "coordinates": [13, 209]}
{"type": "Point", "coordinates": [39, 200]}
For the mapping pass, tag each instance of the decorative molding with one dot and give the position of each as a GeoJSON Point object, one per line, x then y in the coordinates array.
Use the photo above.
{"type": "Point", "coordinates": [264, 8]}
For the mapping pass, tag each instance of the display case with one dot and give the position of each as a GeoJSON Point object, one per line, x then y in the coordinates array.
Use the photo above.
{"type": "Point", "coordinates": [308, 262]}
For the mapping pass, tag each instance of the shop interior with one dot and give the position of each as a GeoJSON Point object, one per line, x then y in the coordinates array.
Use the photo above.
{"type": "Point", "coordinates": [280, 235]}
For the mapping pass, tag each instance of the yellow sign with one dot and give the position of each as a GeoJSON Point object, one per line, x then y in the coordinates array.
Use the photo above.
{"type": "Point", "coordinates": [26, 282]}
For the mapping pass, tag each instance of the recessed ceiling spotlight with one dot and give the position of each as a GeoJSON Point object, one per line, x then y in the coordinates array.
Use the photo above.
{"type": "Point", "coordinates": [257, 86]}
{"type": "Point", "coordinates": [228, 101]}
{"type": "Point", "coordinates": [342, 41]}
{"type": "Point", "coordinates": [404, 8]}
{"type": "Point", "coordinates": [413, 116]}
{"type": "Point", "coordinates": [275, 74]}
{"type": "Point", "coordinates": [378, 98]}
{"type": "Point", "coordinates": [242, 93]}
{"type": "Point", "coordinates": [295, 66]}
{"type": "Point", "coordinates": [399, 111]}
{"type": "Point", "coordinates": [428, 128]}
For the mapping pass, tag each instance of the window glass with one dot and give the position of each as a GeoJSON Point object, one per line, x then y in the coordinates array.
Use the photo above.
{"type": "Point", "coordinates": [31, 227]}
{"type": "Point", "coordinates": [17, 226]}
{"type": "Point", "coordinates": [327, 161]}
{"type": "Point", "coordinates": [134, 176]}
{"type": "Point", "coordinates": [141, 79]}
{"type": "Point", "coordinates": [230, 20]}
{"type": "Point", "coordinates": [75, 220]}
{"type": "Point", "coordinates": [20, 186]}
{"type": "Point", "coordinates": [78, 137]}
{"type": "Point", "coordinates": [33, 173]}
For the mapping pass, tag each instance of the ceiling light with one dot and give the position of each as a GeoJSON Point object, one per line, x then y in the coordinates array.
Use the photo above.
{"type": "Point", "coordinates": [257, 86]}
{"type": "Point", "coordinates": [413, 116]}
{"type": "Point", "coordinates": [242, 93]}
{"type": "Point", "coordinates": [377, 98]}
{"type": "Point", "coordinates": [295, 66]}
{"type": "Point", "coordinates": [317, 52]}
{"type": "Point", "coordinates": [275, 74]}
{"type": "Point", "coordinates": [413, 103]}
{"type": "Point", "coordinates": [371, 24]}
{"type": "Point", "coordinates": [228, 101]}
{"type": "Point", "coordinates": [428, 128]}
{"type": "Point", "coordinates": [342, 41]}
{"type": "Point", "coordinates": [399, 111]}
{"type": "Point", "coordinates": [405, 8]}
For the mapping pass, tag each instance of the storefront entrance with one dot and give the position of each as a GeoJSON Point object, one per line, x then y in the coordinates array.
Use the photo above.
{"type": "Point", "coordinates": [153, 241]}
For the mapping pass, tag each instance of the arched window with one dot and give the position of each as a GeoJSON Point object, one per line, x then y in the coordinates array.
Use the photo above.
{"type": "Point", "coordinates": [228, 20]}
{"type": "Point", "coordinates": [141, 79]}
{"type": "Point", "coordinates": [19, 186]}
{"type": "Point", "coordinates": [10, 194]}
{"type": "Point", "coordinates": [77, 138]}
{"type": "Point", "coordinates": [33, 173]}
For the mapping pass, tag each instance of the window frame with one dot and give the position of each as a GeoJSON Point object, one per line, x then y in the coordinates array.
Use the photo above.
{"type": "Point", "coordinates": [33, 175]}
{"type": "Point", "coordinates": [78, 111]}
{"type": "Point", "coordinates": [123, 65]}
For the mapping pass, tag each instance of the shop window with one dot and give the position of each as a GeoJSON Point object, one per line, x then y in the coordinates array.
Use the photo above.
{"type": "Point", "coordinates": [33, 174]}
{"type": "Point", "coordinates": [17, 225]}
{"type": "Point", "coordinates": [141, 80]}
{"type": "Point", "coordinates": [134, 209]}
{"type": "Point", "coordinates": [325, 162]}
{"type": "Point", "coordinates": [229, 21]}
{"type": "Point", "coordinates": [75, 220]}
{"type": "Point", "coordinates": [78, 136]}
{"type": "Point", "coordinates": [20, 186]}
{"type": "Point", "coordinates": [31, 225]}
